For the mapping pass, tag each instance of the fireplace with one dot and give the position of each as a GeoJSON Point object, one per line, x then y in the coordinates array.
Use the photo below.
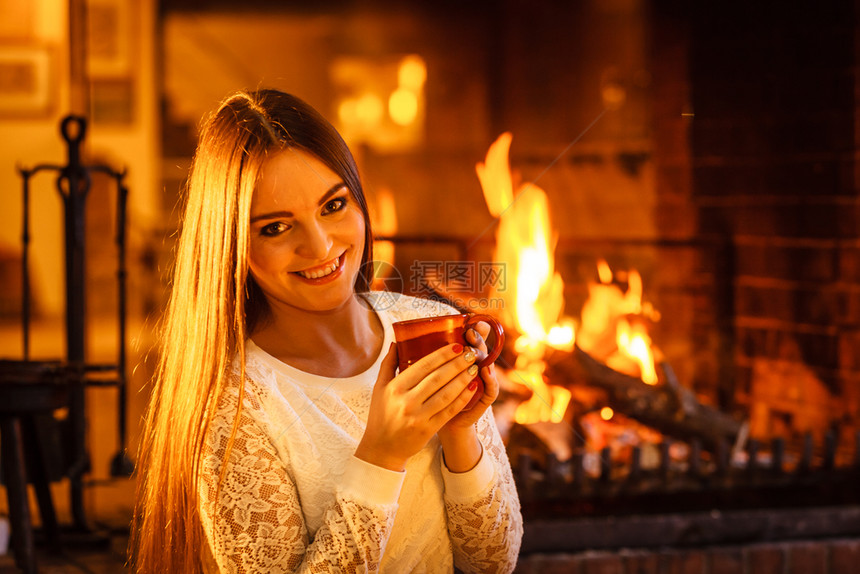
{"type": "Point", "coordinates": [731, 170]}
{"type": "Point", "coordinates": [710, 149]}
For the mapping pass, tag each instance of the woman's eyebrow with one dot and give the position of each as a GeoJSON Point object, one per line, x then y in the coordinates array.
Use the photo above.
{"type": "Point", "coordinates": [278, 214]}
{"type": "Point", "coordinates": [332, 191]}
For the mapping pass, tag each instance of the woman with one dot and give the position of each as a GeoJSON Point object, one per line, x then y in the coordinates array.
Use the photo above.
{"type": "Point", "coordinates": [279, 438]}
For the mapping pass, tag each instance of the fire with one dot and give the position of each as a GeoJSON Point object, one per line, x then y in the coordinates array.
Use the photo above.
{"type": "Point", "coordinates": [534, 299]}
{"type": "Point", "coordinates": [614, 328]}
{"type": "Point", "coordinates": [634, 342]}
{"type": "Point", "coordinates": [384, 218]}
{"type": "Point", "coordinates": [547, 403]}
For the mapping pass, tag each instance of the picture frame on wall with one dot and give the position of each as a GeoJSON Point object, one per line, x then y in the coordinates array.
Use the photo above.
{"type": "Point", "coordinates": [26, 85]}
{"type": "Point", "coordinates": [109, 33]}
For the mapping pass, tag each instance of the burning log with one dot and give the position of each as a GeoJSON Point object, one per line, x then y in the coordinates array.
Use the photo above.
{"type": "Point", "coordinates": [669, 408]}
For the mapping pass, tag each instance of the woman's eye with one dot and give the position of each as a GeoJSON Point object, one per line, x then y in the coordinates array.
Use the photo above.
{"type": "Point", "coordinates": [274, 229]}
{"type": "Point", "coordinates": [335, 204]}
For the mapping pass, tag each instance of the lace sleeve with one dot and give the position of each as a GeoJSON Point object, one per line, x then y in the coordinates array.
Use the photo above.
{"type": "Point", "coordinates": [256, 523]}
{"type": "Point", "coordinates": [486, 530]}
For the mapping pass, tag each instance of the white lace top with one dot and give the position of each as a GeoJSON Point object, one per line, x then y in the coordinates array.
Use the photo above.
{"type": "Point", "coordinates": [295, 499]}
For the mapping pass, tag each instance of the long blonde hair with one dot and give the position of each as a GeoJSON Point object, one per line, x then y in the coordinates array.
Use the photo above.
{"type": "Point", "coordinates": [214, 305]}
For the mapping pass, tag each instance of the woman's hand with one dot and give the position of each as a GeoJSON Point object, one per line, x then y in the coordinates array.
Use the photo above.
{"type": "Point", "coordinates": [466, 419]}
{"type": "Point", "coordinates": [408, 409]}
{"type": "Point", "coordinates": [458, 437]}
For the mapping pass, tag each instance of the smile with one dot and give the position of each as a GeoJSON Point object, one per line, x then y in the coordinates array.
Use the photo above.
{"type": "Point", "coordinates": [323, 270]}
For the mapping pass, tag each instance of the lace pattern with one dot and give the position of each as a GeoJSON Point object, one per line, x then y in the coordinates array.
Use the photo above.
{"type": "Point", "coordinates": [486, 531]}
{"type": "Point", "coordinates": [255, 523]}
{"type": "Point", "coordinates": [280, 508]}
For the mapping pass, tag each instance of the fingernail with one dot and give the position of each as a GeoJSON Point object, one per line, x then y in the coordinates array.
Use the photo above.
{"type": "Point", "coordinates": [458, 348]}
{"type": "Point", "coordinates": [472, 370]}
{"type": "Point", "coordinates": [469, 356]}
{"type": "Point", "coordinates": [473, 385]}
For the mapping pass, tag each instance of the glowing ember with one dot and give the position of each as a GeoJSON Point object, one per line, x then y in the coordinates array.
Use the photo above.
{"type": "Point", "coordinates": [533, 300]}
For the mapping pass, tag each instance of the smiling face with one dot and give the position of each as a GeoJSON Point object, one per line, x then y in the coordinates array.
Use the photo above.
{"type": "Point", "coordinates": [307, 234]}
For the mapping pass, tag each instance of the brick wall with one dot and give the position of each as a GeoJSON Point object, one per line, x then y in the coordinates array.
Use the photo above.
{"type": "Point", "coordinates": [841, 556]}
{"type": "Point", "coordinates": [693, 297]}
{"type": "Point", "coordinates": [773, 145]}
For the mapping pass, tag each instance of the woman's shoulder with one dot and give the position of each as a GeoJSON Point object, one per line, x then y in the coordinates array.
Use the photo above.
{"type": "Point", "coordinates": [402, 307]}
{"type": "Point", "coordinates": [248, 381]}
{"type": "Point", "coordinates": [236, 386]}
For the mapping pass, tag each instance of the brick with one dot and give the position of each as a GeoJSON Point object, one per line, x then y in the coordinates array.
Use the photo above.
{"type": "Point", "coordinates": [672, 138]}
{"type": "Point", "coordinates": [849, 264]}
{"type": "Point", "coordinates": [734, 138]}
{"type": "Point", "coordinates": [816, 350]}
{"type": "Point", "coordinates": [829, 176]}
{"type": "Point", "coordinates": [689, 562]}
{"type": "Point", "coordinates": [765, 559]}
{"type": "Point", "coordinates": [845, 557]}
{"type": "Point", "coordinates": [807, 558]}
{"type": "Point", "coordinates": [850, 386]}
{"type": "Point", "coordinates": [787, 302]}
{"type": "Point", "coordinates": [675, 220]}
{"type": "Point", "coordinates": [551, 564]}
{"type": "Point", "coordinates": [722, 180]}
{"type": "Point", "coordinates": [819, 263]}
{"type": "Point", "coordinates": [810, 89]}
{"type": "Point", "coordinates": [602, 563]}
{"type": "Point", "coordinates": [641, 562]}
{"type": "Point", "coordinates": [817, 132]}
{"type": "Point", "coordinates": [673, 181]}
{"type": "Point", "coordinates": [849, 342]}
{"type": "Point", "coordinates": [849, 307]}
{"type": "Point", "coordinates": [726, 561]}
{"type": "Point", "coordinates": [743, 379]}
{"type": "Point", "coordinates": [826, 219]}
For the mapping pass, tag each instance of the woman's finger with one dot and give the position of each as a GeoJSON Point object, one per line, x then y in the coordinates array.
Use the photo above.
{"type": "Point", "coordinates": [444, 375]}
{"type": "Point", "coordinates": [474, 338]}
{"type": "Point", "coordinates": [388, 368]}
{"type": "Point", "coordinates": [491, 384]}
{"type": "Point", "coordinates": [449, 400]}
{"type": "Point", "coordinates": [483, 328]}
{"type": "Point", "coordinates": [410, 377]}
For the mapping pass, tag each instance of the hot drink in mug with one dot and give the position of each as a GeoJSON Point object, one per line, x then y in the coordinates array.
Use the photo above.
{"type": "Point", "coordinates": [419, 337]}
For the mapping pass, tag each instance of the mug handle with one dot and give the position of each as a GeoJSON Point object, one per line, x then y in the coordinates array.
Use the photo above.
{"type": "Point", "coordinates": [497, 329]}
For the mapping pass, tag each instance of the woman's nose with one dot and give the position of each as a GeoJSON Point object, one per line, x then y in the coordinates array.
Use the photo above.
{"type": "Point", "coordinates": [316, 242]}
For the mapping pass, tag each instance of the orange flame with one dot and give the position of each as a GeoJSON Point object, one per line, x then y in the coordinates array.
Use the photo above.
{"type": "Point", "coordinates": [534, 297]}
{"type": "Point", "coordinates": [534, 300]}
{"type": "Point", "coordinates": [548, 403]}
{"type": "Point", "coordinates": [634, 342]}
{"type": "Point", "coordinates": [607, 332]}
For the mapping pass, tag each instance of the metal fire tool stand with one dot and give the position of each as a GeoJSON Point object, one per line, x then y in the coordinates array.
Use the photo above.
{"type": "Point", "coordinates": [73, 183]}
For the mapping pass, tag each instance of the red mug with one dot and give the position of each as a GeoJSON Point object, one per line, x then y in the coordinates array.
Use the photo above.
{"type": "Point", "coordinates": [417, 338]}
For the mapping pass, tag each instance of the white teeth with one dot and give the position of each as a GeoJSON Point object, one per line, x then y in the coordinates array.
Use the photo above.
{"type": "Point", "coordinates": [327, 270]}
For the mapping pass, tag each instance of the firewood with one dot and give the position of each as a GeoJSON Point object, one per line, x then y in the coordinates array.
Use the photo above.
{"type": "Point", "coordinates": [667, 407]}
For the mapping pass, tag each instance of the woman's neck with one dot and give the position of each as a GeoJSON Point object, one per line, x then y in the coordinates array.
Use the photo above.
{"type": "Point", "coordinates": [339, 343]}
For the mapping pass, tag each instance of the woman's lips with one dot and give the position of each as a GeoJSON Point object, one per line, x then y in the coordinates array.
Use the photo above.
{"type": "Point", "coordinates": [326, 271]}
